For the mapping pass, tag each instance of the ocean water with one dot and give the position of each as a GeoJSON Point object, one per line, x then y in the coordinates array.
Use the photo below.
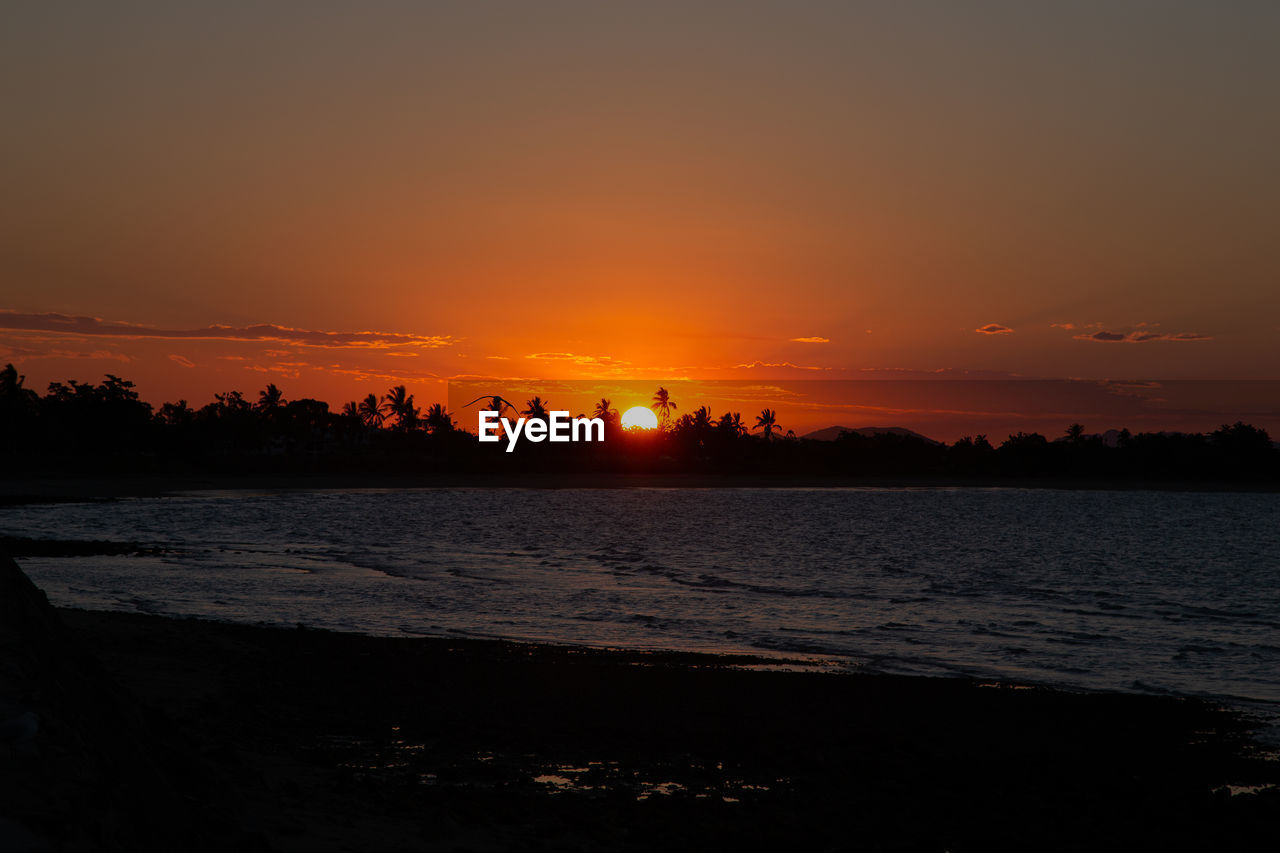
{"type": "Point", "coordinates": [1150, 591]}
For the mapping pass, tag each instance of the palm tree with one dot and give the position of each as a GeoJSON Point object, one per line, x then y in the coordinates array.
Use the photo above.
{"type": "Point", "coordinates": [410, 416]}
{"type": "Point", "coordinates": [538, 408]}
{"type": "Point", "coordinates": [663, 405]}
{"type": "Point", "coordinates": [10, 382]}
{"type": "Point", "coordinates": [702, 419]}
{"type": "Point", "coordinates": [399, 404]}
{"type": "Point", "coordinates": [437, 419]}
{"type": "Point", "coordinates": [351, 411]}
{"type": "Point", "coordinates": [11, 390]}
{"type": "Point", "coordinates": [371, 412]}
{"type": "Point", "coordinates": [1075, 433]}
{"type": "Point", "coordinates": [731, 423]}
{"type": "Point", "coordinates": [768, 421]}
{"type": "Point", "coordinates": [605, 410]}
{"type": "Point", "coordinates": [393, 401]}
{"type": "Point", "coordinates": [270, 399]}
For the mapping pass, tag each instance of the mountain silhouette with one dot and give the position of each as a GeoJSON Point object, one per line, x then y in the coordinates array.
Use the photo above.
{"type": "Point", "coordinates": [831, 433]}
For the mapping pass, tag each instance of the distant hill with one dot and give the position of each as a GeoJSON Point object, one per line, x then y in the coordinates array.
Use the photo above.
{"type": "Point", "coordinates": [831, 433]}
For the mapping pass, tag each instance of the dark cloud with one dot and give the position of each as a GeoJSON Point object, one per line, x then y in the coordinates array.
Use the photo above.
{"type": "Point", "coordinates": [993, 329]}
{"type": "Point", "coordinates": [1141, 337]}
{"type": "Point", "coordinates": [93, 327]}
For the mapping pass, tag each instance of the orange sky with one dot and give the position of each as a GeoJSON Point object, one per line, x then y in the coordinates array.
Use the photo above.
{"type": "Point", "coordinates": [340, 199]}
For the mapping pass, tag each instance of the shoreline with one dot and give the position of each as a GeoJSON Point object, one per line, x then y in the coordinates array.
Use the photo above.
{"type": "Point", "coordinates": [54, 488]}
{"type": "Point", "coordinates": [315, 740]}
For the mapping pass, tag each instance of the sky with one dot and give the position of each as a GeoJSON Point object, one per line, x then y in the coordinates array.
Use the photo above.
{"type": "Point", "coordinates": [339, 197]}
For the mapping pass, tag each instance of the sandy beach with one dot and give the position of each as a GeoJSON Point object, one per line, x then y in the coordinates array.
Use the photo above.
{"type": "Point", "coordinates": [160, 734]}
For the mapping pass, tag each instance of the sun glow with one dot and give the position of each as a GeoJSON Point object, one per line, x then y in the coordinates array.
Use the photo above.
{"type": "Point", "coordinates": [639, 417]}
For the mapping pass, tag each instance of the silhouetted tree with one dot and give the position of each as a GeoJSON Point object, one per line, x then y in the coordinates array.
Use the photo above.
{"type": "Point", "coordinates": [270, 399]}
{"type": "Point", "coordinates": [371, 412]}
{"type": "Point", "coordinates": [731, 424]}
{"type": "Point", "coordinates": [175, 414]}
{"type": "Point", "coordinates": [663, 404]}
{"type": "Point", "coordinates": [107, 424]}
{"type": "Point", "coordinates": [437, 420]}
{"type": "Point", "coordinates": [1244, 449]}
{"type": "Point", "coordinates": [229, 405]}
{"type": "Point", "coordinates": [399, 404]}
{"type": "Point", "coordinates": [702, 420]}
{"type": "Point", "coordinates": [1241, 438]}
{"type": "Point", "coordinates": [767, 421]}
{"type": "Point", "coordinates": [11, 386]}
{"type": "Point", "coordinates": [536, 408]}
{"type": "Point", "coordinates": [1025, 453]}
{"type": "Point", "coordinates": [605, 411]}
{"type": "Point", "coordinates": [19, 408]}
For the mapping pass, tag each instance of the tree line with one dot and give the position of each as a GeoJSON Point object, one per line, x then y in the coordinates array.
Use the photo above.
{"type": "Point", "coordinates": [81, 426]}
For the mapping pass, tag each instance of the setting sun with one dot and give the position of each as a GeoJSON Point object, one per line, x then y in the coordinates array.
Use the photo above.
{"type": "Point", "coordinates": [638, 417]}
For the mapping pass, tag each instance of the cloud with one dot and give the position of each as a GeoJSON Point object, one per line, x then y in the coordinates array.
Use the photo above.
{"type": "Point", "coordinates": [390, 374]}
{"type": "Point", "coordinates": [1070, 327]}
{"type": "Point", "coordinates": [595, 360]}
{"type": "Point", "coordinates": [993, 329]}
{"type": "Point", "coordinates": [94, 327]}
{"type": "Point", "coordinates": [811, 340]}
{"type": "Point", "coordinates": [25, 354]}
{"type": "Point", "coordinates": [758, 364]}
{"type": "Point", "coordinates": [177, 359]}
{"type": "Point", "coordinates": [1103, 336]}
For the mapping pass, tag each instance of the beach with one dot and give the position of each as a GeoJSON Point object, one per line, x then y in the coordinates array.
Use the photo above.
{"type": "Point", "coordinates": [24, 489]}
{"type": "Point", "coordinates": [203, 735]}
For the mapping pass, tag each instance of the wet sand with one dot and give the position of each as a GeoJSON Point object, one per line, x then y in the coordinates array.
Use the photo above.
{"type": "Point", "coordinates": [291, 740]}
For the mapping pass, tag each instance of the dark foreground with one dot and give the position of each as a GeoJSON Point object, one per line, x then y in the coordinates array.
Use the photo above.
{"type": "Point", "coordinates": [170, 735]}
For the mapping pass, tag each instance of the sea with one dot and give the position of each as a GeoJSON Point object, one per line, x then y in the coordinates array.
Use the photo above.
{"type": "Point", "coordinates": [1173, 592]}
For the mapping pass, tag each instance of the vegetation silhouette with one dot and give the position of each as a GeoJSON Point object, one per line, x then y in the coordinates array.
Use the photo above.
{"type": "Point", "coordinates": [398, 403]}
{"type": "Point", "coordinates": [371, 412]}
{"type": "Point", "coordinates": [605, 411]}
{"type": "Point", "coordinates": [767, 421]}
{"type": "Point", "coordinates": [270, 399]}
{"type": "Point", "coordinates": [537, 408]}
{"type": "Point", "coordinates": [81, 427]}
{"type": "Point", "coordinates": [663, 405]}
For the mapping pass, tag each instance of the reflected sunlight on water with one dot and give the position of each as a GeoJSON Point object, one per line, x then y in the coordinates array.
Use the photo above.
{"type": "Point", "coordinates": [1149, 591]}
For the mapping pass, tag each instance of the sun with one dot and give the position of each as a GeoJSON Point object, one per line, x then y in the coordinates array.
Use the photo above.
{"type": "Point", "coordinates": [639, 417]}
